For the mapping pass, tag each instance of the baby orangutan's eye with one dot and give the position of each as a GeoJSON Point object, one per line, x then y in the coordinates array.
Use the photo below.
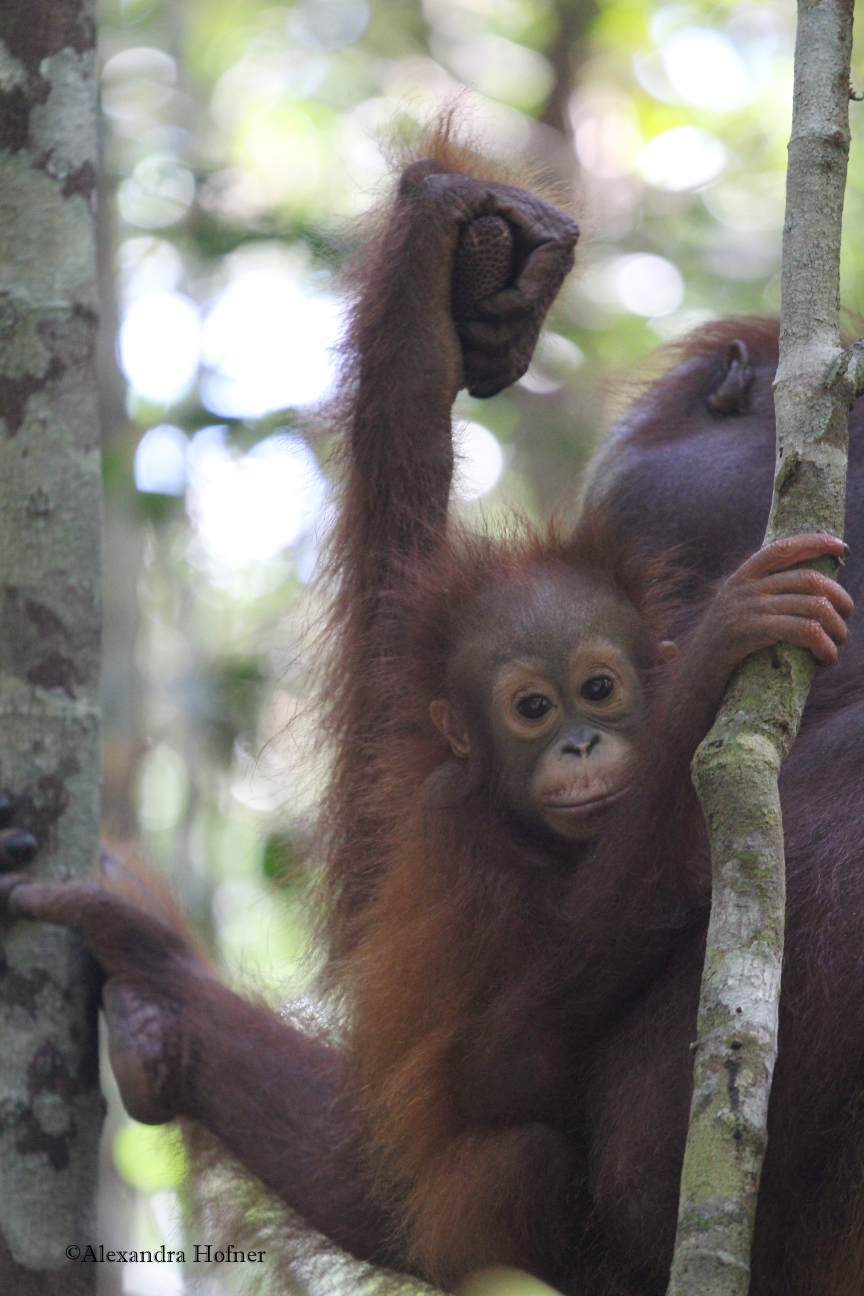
{"type": "Point", "coordinates": [534, 707]}
{"type": "Point", "coordinates": [597, 689]}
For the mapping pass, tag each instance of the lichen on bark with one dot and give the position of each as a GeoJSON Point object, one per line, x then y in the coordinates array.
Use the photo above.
{"type": "Point", "coordinates": [50, 594]}
{"type": "Point", "coordinates": [736, 768]}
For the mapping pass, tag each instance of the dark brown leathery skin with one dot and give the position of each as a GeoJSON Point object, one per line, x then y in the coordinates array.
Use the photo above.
{"type": "Point", "coordinates": [483, 264]}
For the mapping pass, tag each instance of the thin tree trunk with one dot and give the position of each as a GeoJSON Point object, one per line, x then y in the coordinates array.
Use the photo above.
{"type": "Point", "coordinates": [566, 54]}
{"type": "Point", "coordinates": [50, 584]}
{"type": "Point", "coordinates": [735, 770]}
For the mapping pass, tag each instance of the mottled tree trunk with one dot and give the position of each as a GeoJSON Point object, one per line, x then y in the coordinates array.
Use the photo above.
{"type": "Point", "coordinates": [50, 508]}
{"type": "Point", "coordinates": [735, 770]}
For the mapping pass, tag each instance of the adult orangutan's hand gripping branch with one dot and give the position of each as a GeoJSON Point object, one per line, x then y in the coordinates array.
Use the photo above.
{"type": "Point", "coordinates": [517, 888]}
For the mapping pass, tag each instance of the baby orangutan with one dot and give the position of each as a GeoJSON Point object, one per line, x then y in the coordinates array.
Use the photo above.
{"type": "Point", "coordinates": [516, 884]}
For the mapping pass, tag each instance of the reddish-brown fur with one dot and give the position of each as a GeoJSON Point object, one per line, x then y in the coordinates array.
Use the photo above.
{"type": "Point", "coordinates": [381, 526]}
{"type": "Point", "coordinates": [429, 894]}
{"type": "Point", "coordinates": [513, 1079]}
{"type": "Point", "coordinates": [428, 902]}
{"type": "Point", "coordinates": [433, 938]}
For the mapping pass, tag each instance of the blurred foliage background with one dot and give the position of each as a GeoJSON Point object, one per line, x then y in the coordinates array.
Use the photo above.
{"type": "Point", "coordinates": [241, 137]}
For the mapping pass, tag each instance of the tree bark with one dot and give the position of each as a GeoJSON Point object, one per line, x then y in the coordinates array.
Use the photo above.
{"type": "Point", "coordinates": [50, 585]}
{"type": "Point", "coordinates": [735, 770]}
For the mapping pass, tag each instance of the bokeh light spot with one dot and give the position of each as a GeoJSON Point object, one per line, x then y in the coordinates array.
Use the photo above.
{"type": "Point", "coordinates": [249, 508]}
{"type": "Point", "coordinates": [158, 193]}
{"type": "Point", "coordinates": [137, 82]}
{"type": "Point", "coordinates": [329, 24]}
{"type": "Point", "coordinates": [160, 339]}
{"type": "Point", "coordinates": [163, 789]}
{"type": "Point", "coordinates": [607, 136]}
{"type": "Point", "coordinates": [682, 158]}
{"type": "Point", "coordinates": [160, 461]}
{"type": "Point", "coordinates": [267, 344]}
{"type": "Point", "coordinates": [704, 67]}
{"type": "Point", "coordinates": [648, 285]}
{"type": "Point", "coordinates": [479, 461]}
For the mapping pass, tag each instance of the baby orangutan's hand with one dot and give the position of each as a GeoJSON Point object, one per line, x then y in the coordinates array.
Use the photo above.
{"type": "Point", "coordinates": [152, 968]}
{"type": "Point", "coordinates": [771, 599]}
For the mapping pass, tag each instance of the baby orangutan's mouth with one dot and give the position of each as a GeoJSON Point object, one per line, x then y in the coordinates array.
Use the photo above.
{"type": "Point", "coordinates": [569, 802]}
{"type": "Point", "coordinates": [572, 817]}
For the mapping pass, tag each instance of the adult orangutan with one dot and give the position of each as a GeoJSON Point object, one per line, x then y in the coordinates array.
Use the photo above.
{"type": "Point", "coordinates": [516, 884]}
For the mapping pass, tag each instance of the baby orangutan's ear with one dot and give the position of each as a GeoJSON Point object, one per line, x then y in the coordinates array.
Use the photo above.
{"type": "Point", "coordinates": [451, 725]}
{"type": "Point", "coordinates": [668, 649]}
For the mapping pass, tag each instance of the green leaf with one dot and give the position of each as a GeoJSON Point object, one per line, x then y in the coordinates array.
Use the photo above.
{"type": "Point", "coordinates": [150, 1157]}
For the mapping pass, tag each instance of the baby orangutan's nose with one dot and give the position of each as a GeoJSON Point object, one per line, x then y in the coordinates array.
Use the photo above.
{"type": "Point", "coordinates": [581, 742]}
